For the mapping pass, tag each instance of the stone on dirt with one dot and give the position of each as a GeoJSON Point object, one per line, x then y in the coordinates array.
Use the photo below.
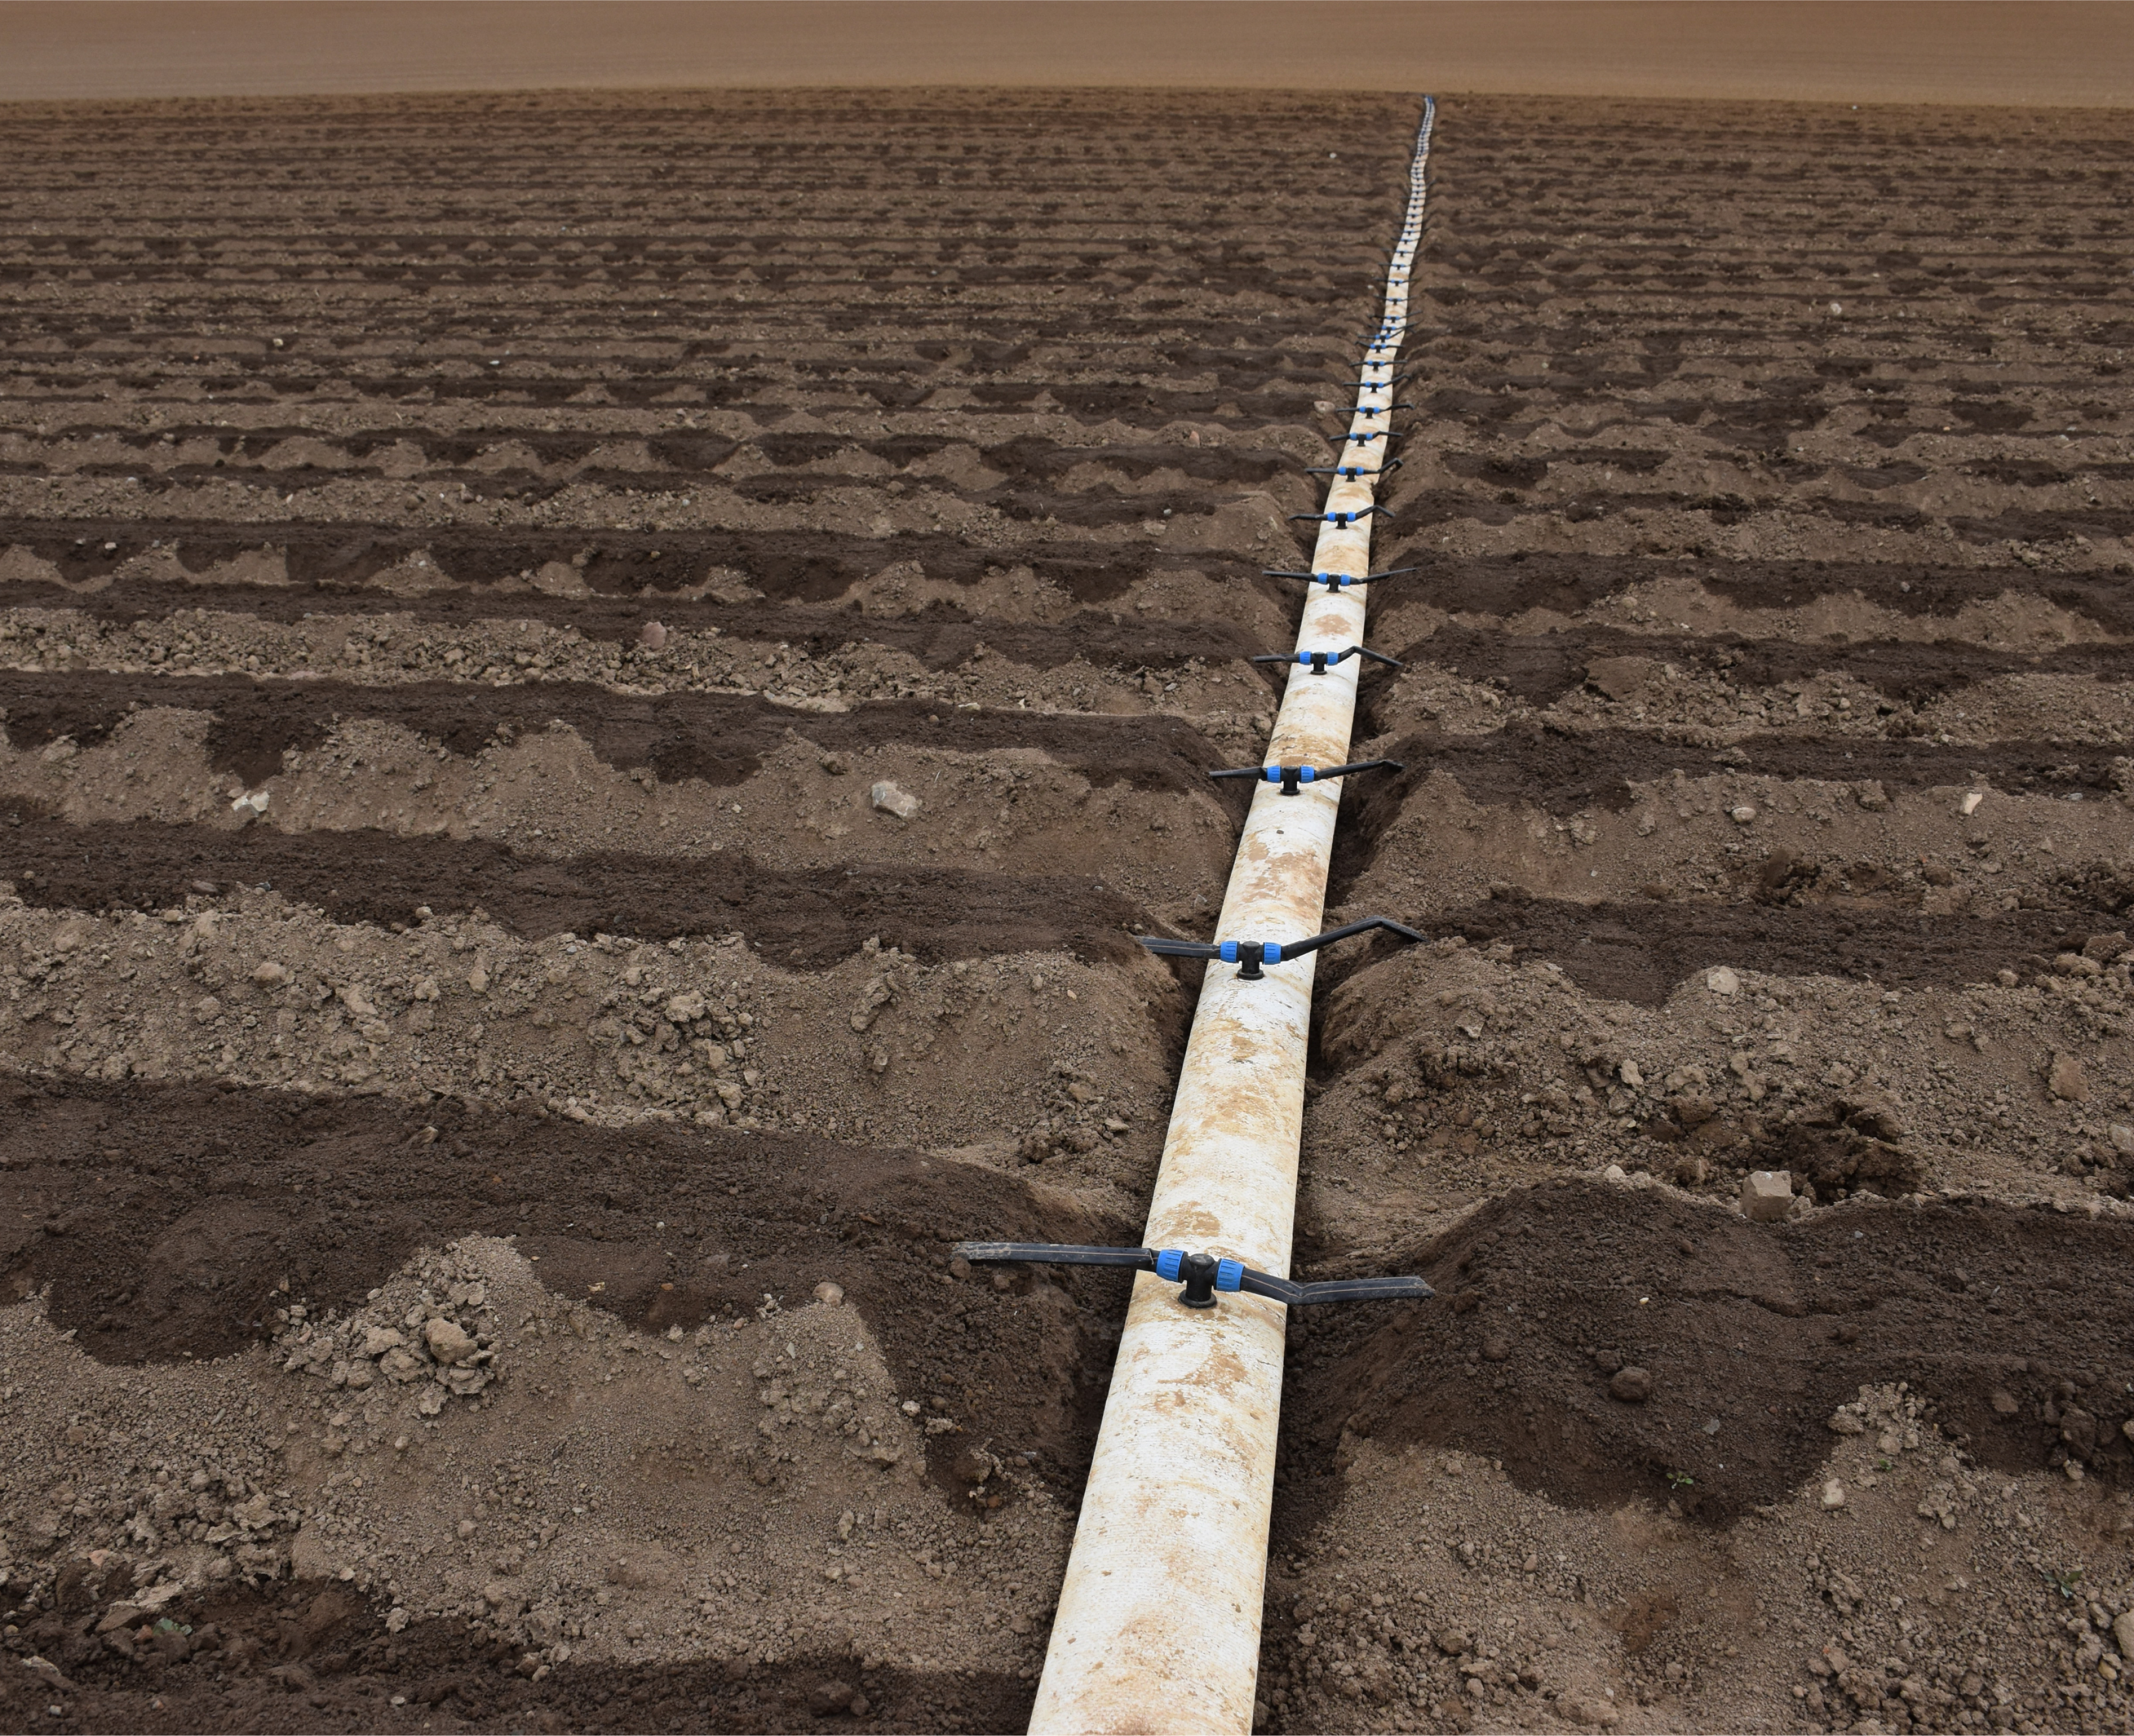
{"type": "Point", "coordinates": [1833, 1493]}
{"type": "Point", "coordinates": [2065, 1081]}
{"type": "Point", "coordinates": [1633, 1385]}
{"type": "Point", "coordinates": [892, 800]}
{"type": "Point", "coordinates": [448, 1341]}
{"type": "Point", "coordinates": [1723, 981]}
{"type": "Point", "coordinates": [1767, 1195]}
{"type": "Point", "coordinates": [1618, 677]}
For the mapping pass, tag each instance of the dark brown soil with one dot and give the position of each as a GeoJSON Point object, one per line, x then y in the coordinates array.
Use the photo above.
{"type": "Point", "coordinates": [720, 738]}
{"type": "Point", "coordinates": [801, 920]}
{"type": "Point", "coordinates": [159, 1221]}
{"type": "Point", "coordinates": [1766, 1329]}
{"type": "Point", "coordinates": [333, 564]}
{"type": "Point", "coordinates": [1541, 668]}
{"type": "Point", "coordinates": [315, 1660]}
{"type": "Point", "coordinates": [1560, 772]}
{"type": "Point", "coordinates": [1510, 584]}
{"type": "Point", "coordinates": [1640, 951]}
{"type": "Point", "coordinates": [940, 637]}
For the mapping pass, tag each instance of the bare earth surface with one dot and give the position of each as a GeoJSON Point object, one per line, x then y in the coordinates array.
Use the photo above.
{"type": "Point", "coordinates": [2060, 53]}
{"type": "Point", "coordinates": [594, 686]}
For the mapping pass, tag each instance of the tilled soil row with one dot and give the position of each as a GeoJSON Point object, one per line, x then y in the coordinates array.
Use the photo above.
{"type": "Point", "coordinates": [719, 740]}
{"type": "Point", "coordinates": [1916, 590]}
{"type": "Point", "coordinates": [337, 563]}
{"type": "Point", "coordinates": [941, 638]}
{"type": "Point", "coordinates": [1656, 369]}
{"type": "Point", "coordinates": [223, 1206]}
{"type": "Point", "coordinates": [794, 464]}
{"type": "Point", "coordinates": [1642, 952]}
{"type": "Point", "coordinates": [806, 920]}
{"type": "Point", "coordinates": [1769, 1331]}
{"type": "Point", "coordinates": [156, 1220]}
{"type": "Point", "coordinates": [1542, 668]}
{"type": "Point", "coordinates": [326, 1661]}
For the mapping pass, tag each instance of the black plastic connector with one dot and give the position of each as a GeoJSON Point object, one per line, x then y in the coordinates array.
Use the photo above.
{"type": "Point", "coordinates": [1204, 1276]}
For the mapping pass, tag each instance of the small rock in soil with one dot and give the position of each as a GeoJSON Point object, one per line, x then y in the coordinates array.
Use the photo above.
{"type": "Point", "coordinates": [1633, 1385]}
{"type": "Point", "coordinates": [892, 800]}
{"type": "Point", "coordinates": [448, 1344]}
{"type": "Point", "coordinates": [1767, 1195]}
{"type": "Point", "coordinates": [2065, 1082]}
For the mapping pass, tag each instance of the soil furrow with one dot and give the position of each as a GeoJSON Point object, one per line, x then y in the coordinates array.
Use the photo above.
{"type": "Point", "coordinates": [1541, 668]}
{"type": "Point", "coordinates": [1642, 952]}
{"type": "Point", "coordinates": [806, 920]}
{"type": "Point", "coordinates": [716, 739]}
{"type": "Point", "coordinates": [788, 566]}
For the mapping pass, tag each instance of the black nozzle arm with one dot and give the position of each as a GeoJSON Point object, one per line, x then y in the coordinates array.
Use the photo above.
{"type": "Point", "coordinates": [1298, 948]}
{"type": "Point", "coordinates": [1250, 955]}
{"type": "Point", "coordinates": [1335, 1289]}
{"type": "Point", "coordinates": [1345, 518]}
{"type": "Point", "coordinates": [1354, 471]}
{"type": "Point", "coordinates": [1166, 947]}
{"type": "Point", "coordinates": [1050, 1253]}
{"type": "Point", "coordinates": [1318, 660]}
{"type": "Point", "coordinates": [1337, 580]}
{"type": "Point", "coordinates": [1203, 1275]}
{"type": "Point", "coordinates": [1289, 775]}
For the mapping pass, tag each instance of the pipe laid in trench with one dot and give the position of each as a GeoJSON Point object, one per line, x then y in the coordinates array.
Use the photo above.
{"type": "Point", "coordinates": [1158, 1626]}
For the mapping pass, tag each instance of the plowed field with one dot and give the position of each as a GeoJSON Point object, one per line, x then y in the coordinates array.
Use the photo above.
{"type": "Point", "coordinates": [594, 686]}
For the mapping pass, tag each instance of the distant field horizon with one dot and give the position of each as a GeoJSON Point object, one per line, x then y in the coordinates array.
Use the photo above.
{"type": "Point", "coordinates": [2027, 53]}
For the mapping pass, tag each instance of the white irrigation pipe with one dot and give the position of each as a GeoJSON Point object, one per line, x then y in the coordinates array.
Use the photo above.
{"type": "Point", "coordinates": [1159, 1620]}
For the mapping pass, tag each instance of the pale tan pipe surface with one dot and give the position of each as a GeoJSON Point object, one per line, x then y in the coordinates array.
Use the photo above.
{"type": "Point", "coordinates": [1158, 1628]}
